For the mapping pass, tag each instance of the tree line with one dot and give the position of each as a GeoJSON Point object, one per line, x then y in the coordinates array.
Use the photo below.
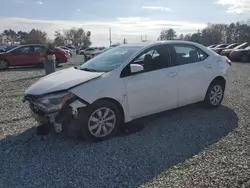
{"type": "Point", "coordinates": [76, 36]}
{"type": "Point", "coordinates": [212, 34]}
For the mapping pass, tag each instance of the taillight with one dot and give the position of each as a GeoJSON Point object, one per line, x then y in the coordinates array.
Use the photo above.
{"type": "Point", "coordinates": [229, 62]}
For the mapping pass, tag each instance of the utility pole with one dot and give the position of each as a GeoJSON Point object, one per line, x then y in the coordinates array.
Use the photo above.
{"type": "Point", "coordinates": [145, 39]}
{"type": "Point", "coordinates": [110, 41]}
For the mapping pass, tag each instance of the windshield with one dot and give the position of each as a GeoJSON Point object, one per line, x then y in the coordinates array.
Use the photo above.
{"type": "Point", "coordinates": [10, 47]}
{"type": "Point", "coordinates": [110, 60]}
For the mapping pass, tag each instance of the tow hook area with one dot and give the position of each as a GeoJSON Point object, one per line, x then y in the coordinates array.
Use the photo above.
{"type": "Point", "coordinates": [75, 105]}
{"type": "Point", "coordinates": [66, 115]}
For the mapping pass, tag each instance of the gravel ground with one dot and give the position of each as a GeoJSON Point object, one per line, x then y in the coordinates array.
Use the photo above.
{"type": "Point", "coordinates": [187, 147]}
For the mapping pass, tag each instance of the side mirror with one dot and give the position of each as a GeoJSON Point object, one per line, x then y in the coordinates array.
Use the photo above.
{"type": "Point", "coordinates": [136, 68]}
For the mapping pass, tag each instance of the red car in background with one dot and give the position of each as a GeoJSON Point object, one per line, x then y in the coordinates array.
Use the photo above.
{"type": "Point", "coordinates": [25, 55]}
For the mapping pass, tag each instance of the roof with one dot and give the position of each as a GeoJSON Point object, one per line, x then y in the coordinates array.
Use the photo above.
{"type": "Point", "coordinates": [144, 44]}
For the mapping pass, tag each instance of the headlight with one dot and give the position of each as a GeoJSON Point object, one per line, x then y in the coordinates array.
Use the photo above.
{"type": "Point", "coordinates": [53, 102]}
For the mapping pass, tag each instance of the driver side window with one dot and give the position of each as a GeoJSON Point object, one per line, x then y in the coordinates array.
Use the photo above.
{"type": "Point", "coordinates": [151, 59]}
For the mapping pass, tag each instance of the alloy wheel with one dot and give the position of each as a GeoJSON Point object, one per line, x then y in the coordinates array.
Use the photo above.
{"type": "Point", "coordinates": [216, 95]}
{"type": "Point", "coordinates": [102, 122]}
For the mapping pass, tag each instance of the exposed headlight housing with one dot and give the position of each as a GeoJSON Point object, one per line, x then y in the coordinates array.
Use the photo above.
{"type": "Point", "coordinates": [53, 102]}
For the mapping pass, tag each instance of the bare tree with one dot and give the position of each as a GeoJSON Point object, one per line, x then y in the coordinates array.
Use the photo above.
{"type": "Point", "coordinates": [37, 37]}
{"type": "Point", "coordinates": [78, 37]}
{"type": "Point", "coordinates": [59, 38]}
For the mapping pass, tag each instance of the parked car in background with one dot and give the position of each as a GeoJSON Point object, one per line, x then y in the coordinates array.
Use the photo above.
{"type": "Point", "coordinates": [88, 51]}
{"type": "Point", "coordinates": [212, 46]}
{"type": "Point", "coordinates": [99, 52]}
{"type": "Point", "coordinates": [24, 55]}
{"type": "Point", "coordinates": [67, 51]}
{"type": "Point", "coordinates": [227, 52]}
{"type": "Point", "coordinates": [119, 86]}
{"type": "Point", "coordinates": [242, 55]}
{"type": "Point", "coordinates": [71, 50]}
{"type": "Point", "coordinates": [220, 49]}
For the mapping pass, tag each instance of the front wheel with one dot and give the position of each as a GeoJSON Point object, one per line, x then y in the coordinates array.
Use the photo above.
{"type": "Point", "coordinates": [100, 121]}
{"type": "Point", "coordinates": [215, 94]}
{"type": "Point", "coordinates": [4, 65]}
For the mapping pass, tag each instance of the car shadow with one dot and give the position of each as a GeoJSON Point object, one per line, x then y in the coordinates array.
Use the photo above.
{"type": "Point", "coordinates": [167, 139]}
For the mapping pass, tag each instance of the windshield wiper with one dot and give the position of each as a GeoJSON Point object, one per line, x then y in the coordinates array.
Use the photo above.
{"type": "Point", "coordinates": [89, 70]}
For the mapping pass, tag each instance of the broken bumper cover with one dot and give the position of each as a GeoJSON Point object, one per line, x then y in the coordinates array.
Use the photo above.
{"type": "Point", "coordinates": [55, 108]}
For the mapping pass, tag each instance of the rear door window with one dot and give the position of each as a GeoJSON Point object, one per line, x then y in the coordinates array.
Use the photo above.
{"type": "Point", "coordinates": [186, 54]}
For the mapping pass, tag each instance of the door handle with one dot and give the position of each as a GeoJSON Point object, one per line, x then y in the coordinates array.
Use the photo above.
{"type": "Point", "coordinates": [208, 66]}
{"type": "Point", "coordinates": [172, 74]}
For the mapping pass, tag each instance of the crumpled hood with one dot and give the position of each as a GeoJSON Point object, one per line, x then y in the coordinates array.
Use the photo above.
{"type": "Point", "coordinates": [61, 80]}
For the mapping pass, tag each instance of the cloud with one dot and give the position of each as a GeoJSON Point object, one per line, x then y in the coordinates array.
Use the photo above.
{"type": "Point", "coordinates": [130, 28]}
{"type": "Point", "coordinates": [156, 8]}
{"type": "Point", "coordinates": [236, 6]}
{"type": "Point", "coordinates": [39, 2]}
{"type": "Point", "coordinates": [78, 10]}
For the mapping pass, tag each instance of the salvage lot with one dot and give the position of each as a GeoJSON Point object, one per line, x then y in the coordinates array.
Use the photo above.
{"type": "Point", "coordinates": [187, 147]}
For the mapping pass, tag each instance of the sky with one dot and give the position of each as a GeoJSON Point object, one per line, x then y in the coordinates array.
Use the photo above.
{"type": "Point", "coordinates": [128, 19]}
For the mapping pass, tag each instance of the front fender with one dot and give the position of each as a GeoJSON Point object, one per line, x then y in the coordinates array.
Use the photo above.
{"type": "Point", "coordinates": [108, 86]}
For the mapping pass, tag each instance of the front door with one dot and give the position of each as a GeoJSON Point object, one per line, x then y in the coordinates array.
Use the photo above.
{"type": "Point", "coordinates": [21, 56]}
{"type": "Point", "coordinates": [195, 72]}
{"type": "Point", "coordinates": [156, 88]}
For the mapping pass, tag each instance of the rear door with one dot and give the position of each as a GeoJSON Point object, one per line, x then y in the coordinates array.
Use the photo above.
{"type": "Point", "coordinates": [195, 72]}
{"type": "Point", "coordinates": [35, 56]}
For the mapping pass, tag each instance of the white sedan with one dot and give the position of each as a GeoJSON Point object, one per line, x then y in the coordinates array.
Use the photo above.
{"type": "Point", "coordinates": [129, 82]}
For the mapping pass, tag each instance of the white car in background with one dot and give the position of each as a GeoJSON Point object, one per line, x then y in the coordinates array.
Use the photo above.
{"type": "Point", "coordinates": [88, 52]}
{"type": "Point", "coordinates": [72, 51]}
{"type": "Point", "coordinates": [119, 86]}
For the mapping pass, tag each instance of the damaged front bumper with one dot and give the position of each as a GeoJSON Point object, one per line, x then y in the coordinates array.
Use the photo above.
{"type": "Point", "coordinates": [64, 112]}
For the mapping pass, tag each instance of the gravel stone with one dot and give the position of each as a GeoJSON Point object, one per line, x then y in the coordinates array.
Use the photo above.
{"type": "Point", "coordinates": [186, 147]}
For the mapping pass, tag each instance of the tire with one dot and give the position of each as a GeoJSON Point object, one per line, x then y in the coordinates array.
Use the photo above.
{"type": "Point", "coordinates": [244, 58]}
{"type": "Point", "coordinates": [92, 125]}
{"type": "Point", "coordinates": [214, 95]}
{"type": "Point", "coordinates": [82, 53]}
{"type": "Point", "coordinates": [4, 64]}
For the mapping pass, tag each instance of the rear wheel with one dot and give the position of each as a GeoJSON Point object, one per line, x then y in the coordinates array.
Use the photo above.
{"type": "Point", "coordinates": [215, 94]}
{"type": "Point", "coordinates": [4, 64]}
{"type": "Point", "coordinates": [100, 121]}
{"type": "Point", "coordinates": [244, 58]}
